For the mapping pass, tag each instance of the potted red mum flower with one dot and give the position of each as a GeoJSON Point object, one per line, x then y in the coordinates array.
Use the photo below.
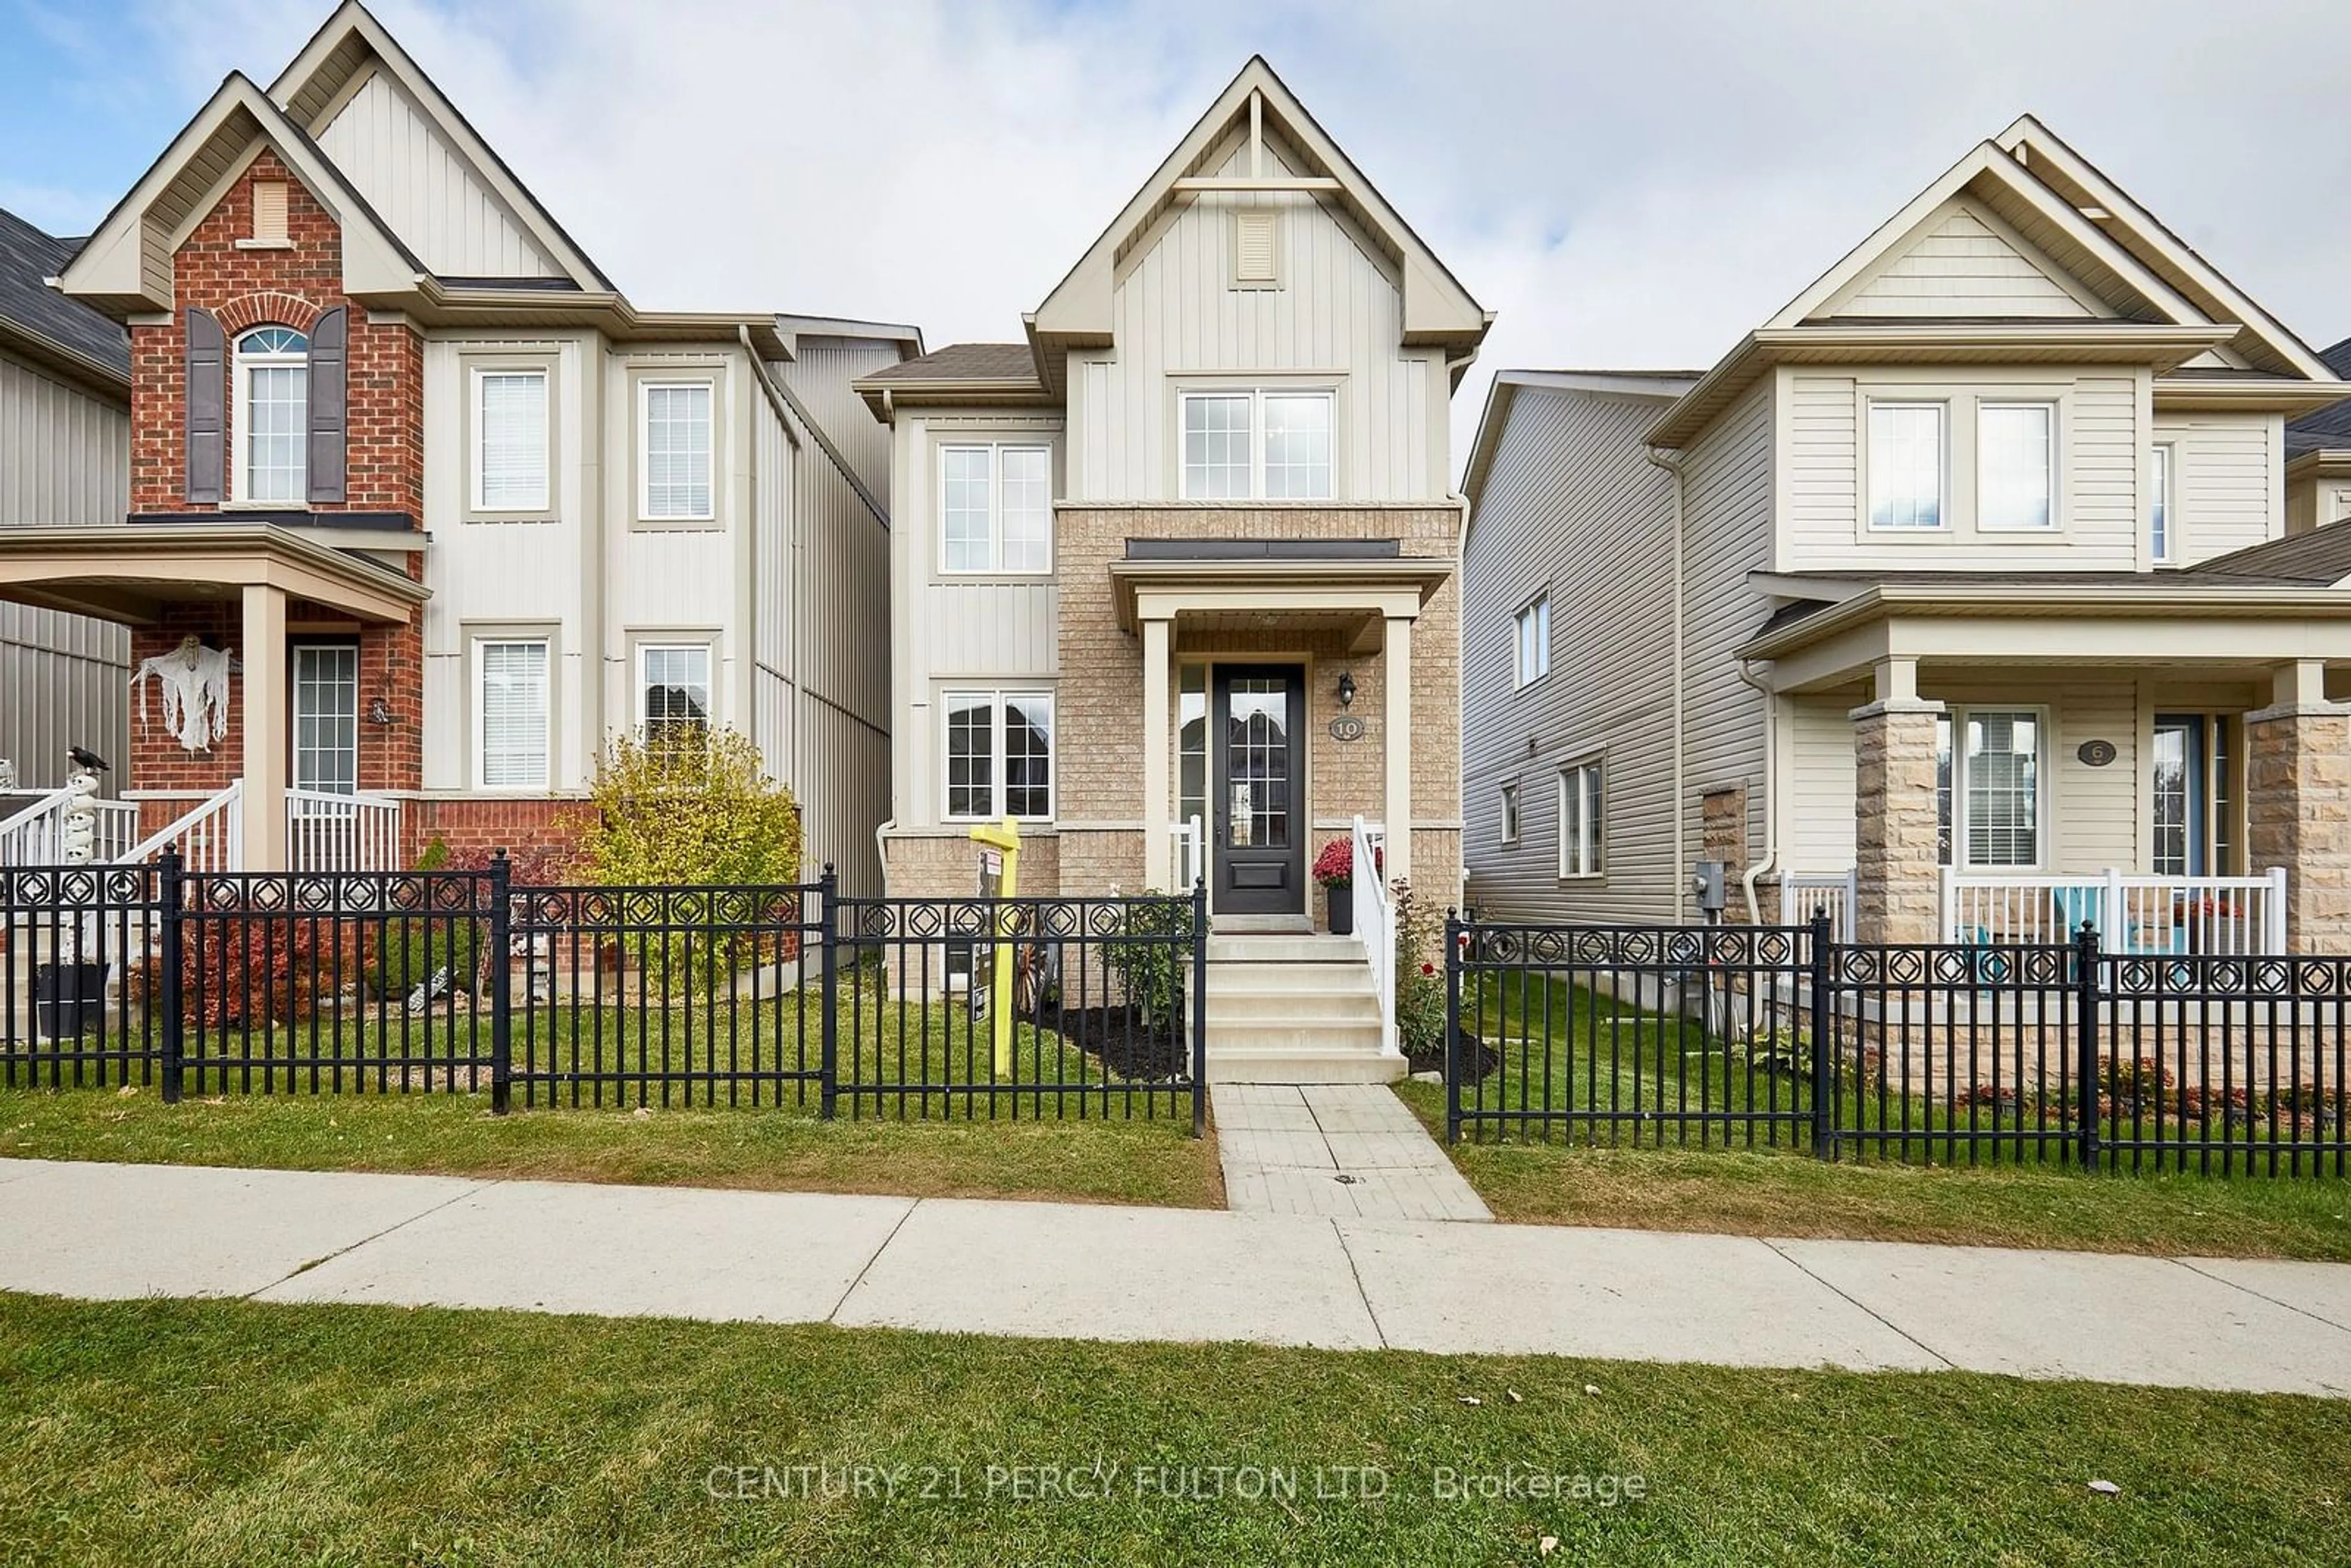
{"type": "Point", "coordinates": [1335, 868]}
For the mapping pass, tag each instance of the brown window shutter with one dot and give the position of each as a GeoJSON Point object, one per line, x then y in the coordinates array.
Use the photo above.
{"type": "Point", "coordinates": [206, 400]}
{"type": "Point", "coordinates": [329, 445]}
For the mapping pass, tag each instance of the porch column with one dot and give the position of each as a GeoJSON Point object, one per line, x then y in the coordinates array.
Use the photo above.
{"type": "Point", "coordinates": [263, 689]}
{"type": "Point", "coordinates": [1895, 820]}
{"type": "Point", "coordinates": [1158, 856]}
{"type": "Point", "coordinates": [2298, 804]}
{"type": "Point", "coordinates": [1398, 678]}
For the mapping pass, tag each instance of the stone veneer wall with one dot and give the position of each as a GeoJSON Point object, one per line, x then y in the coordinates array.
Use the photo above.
{"type": "Point", "coordinates": [2298, 815]}
{"type": "Point", "coordinates": [1895, 820]}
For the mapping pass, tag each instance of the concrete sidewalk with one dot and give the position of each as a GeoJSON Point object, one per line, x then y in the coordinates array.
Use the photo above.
{"type": "Point", "coordinates": [1095, 1272]}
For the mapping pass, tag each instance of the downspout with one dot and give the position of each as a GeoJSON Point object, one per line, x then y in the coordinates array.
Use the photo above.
{"type": "Point", "coordinates": [1673, 465]}
{"type": "Point", "coordinates": [1770, 792]}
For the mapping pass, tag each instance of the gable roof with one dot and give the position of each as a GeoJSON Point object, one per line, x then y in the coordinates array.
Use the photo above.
{"type": "Point", "coordinates": [2054, 234]}
{"type": "Point", "coordinates": [2329, 429]}
{"type": "Point", "coordinates": [38, 320]}
{"type": "Point", "coordinates": [125, 266]}
{"type": "Point", "coordinates": [1501, 396]}
{"type": "Point", "coordinates": [992, 373]}
{"type": "Point", "coordinates": [1436, 308]}
{"type": "Point", "coordinates": [334, 65]}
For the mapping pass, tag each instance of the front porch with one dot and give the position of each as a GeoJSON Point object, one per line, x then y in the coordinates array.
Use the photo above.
{"type": "Point", "coordinates": [2174, 773]}
{"type": "Point", "coordinates": [296, 715]}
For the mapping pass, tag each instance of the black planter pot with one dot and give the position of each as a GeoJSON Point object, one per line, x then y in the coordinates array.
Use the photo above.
{"type": "Point", "coordinates": [1339, 897]}
{"type": "Point", "coordinates": [69, 999]}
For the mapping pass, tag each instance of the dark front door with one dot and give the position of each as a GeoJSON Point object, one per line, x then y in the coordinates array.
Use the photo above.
{"type": "Point", "coordinates": [1256, 789]}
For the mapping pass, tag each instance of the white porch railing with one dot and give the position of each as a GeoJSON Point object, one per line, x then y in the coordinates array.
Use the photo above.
{"type": "Point", "coordinates": [1188, 848]}
{"type": "Point", "coordinates": [1376, 925]}
{"type": "Point", "coordinates": [1802, 891]}
{"type": "Point", "coordinates": [2132, 913]}
{"type": "Point", "coordinates": [36, 834]}
{"type": "Point", "coordinates": [325, 832]}
{"type": "Point", "coordinates": [210, 836]}
{"type": "Point", "coordinates": [31, 835]}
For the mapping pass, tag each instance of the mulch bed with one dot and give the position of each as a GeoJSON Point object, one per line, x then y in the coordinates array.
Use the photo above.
{"type": "Point", "coordinates": [1477, 1058]}
{"type": "Point", "coordinates": [1126, 1045]}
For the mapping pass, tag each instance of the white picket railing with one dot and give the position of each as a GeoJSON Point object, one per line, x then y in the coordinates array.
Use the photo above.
{"type": "Point", "coordinates": [325, 832]}
{"type": "Point", "coordinates": [2132, 913]}
{"type": "Point", "coordinates": [1802, 891]}
{"type": "Point", "coordinates": [117, 829]}
{"type": "Point", "coordinates": [31, 836]}
{"type": "Point", "coordinates": [1189, 848]}
{"type": "Point", "coordinates": [209, 835]}
{"type": "Point", "coordinates": [1375, 910]}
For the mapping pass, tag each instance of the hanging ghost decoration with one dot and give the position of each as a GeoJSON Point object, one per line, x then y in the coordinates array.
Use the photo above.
{"type": "Point", "coordinates": [190, 691]}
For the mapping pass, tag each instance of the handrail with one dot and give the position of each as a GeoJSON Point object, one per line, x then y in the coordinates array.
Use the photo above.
{"type": "Point", "coordinates": [21, 826]}
{"type": "Point", "coordinates": [1376, 923]}
{"type": "Point", "coordinates": [326, 831]}
{"type": "Point", "coordinates": [1189, 844]}
{"type": "Point", "coordinates": [212, 845]}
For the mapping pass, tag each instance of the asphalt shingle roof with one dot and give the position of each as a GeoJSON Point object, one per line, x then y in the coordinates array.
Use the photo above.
{"type": "Point", "coordinates": [28, 255]}
{"type": "Point", "coordinates": [963, 362]}
{"type": "Point", "coordinates": [2330, 427]}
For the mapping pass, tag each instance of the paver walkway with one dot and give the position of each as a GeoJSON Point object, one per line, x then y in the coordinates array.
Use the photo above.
{"type": "Point", "coordinates": [1083, 1271]}
{"type": "Point", "coordinates": [1348, 1150]}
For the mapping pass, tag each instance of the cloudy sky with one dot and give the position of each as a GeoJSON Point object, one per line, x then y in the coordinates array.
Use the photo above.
{"type": "Point", "coordinates": [1628, 184]}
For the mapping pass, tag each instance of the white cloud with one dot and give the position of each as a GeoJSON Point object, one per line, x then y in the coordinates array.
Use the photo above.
{"type": "Point", "coordinates": [1626, 185]}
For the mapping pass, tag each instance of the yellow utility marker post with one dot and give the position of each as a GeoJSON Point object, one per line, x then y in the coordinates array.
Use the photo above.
{"type": "Point", "coordinates": [999, 877]}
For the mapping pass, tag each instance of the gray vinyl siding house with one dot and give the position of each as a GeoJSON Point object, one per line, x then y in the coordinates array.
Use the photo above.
{"type": "Point", "coordinates": [65, 458]}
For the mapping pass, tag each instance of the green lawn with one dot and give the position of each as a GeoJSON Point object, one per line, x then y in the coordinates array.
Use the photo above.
{"type": "Point", "coordinates": [1112, 1160]}
{"type": "Point", "coordinates": [1787, 1192]}
{"type": "Point", "coordinates": [245, 1436]}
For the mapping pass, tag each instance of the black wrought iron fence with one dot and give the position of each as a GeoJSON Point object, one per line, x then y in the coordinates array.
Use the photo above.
{"type": "Point", "coordinates": [2053, 1054]}
{"type": "Point", "coordinates": [463, 982]}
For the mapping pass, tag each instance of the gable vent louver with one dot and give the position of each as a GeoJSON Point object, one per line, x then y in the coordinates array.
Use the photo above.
{"type": "Point", "coordinates": [1256, 249]}
{"type": "Point", "coordinates": [269, 212]}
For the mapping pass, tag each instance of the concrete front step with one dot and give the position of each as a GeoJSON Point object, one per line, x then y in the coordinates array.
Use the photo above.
{"type": "Point", "coordinates": [1303, 979]}
{"type": "Point", "coordinates": [1319, 949]}
{"type": "Point", "coordinates": [1303, 1066]}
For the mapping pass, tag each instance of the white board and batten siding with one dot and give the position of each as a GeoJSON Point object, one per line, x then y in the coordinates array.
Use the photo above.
{"type": "Point", "coordinates": [1571, 509]}
{"type": "Point", "coordinates": [65, 459]}
{"type": "Point", "coordinates": [1336, 320]}
{"type": "Point", "coordinates": [955, 629]}
{"type": "Point", "coordinates": [385, 143]}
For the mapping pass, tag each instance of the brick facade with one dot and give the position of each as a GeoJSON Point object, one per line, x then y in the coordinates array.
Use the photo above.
{"type": "Point", "coordinates": [1098, 767]}
{"type": "Point", "coordinates": [538, 830]}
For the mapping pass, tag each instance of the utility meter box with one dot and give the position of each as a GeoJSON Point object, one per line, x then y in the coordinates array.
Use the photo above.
{"type": "Point", "coordinates": [1706, 884]}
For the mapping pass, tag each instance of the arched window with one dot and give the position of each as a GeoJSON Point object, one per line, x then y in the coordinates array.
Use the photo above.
{"type": "Point", "coordinates": [272, 397]}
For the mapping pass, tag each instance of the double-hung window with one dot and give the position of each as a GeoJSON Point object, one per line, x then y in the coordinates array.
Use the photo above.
{"type": "Point", "coordinates": [996, 510]}
{"type": "Point", "coordinates": [1000, 755]}
{"type": "Point", "coordinates": [674, 454]}
{"type": "Point", "coordinates": [510, 440]}
{"type": "Point", "coordinates": [1988, 793]}
{"type": "Point", "coordinates": [1582, 819]}
{"type": "Point", "coordinates": [2016, 466]}
{"type": "Point", "coordinates": [673, 693]}
{"type": "Point", "coordinates": [1531, 641]}
{"type": "Point", "coordinates": [1258, 445]}
{"type": "Point", "coordinates": [1906, 470]}
{"type": "Point", "coordinates": [273, 416]}
{"type": "Point", "coordinates": [2164, 545]}
{"type": "Point", "coordinates": [512, 712]}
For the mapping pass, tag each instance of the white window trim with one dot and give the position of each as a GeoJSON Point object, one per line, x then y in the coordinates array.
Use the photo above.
{"type": "Point", "coordinates": [2043, 781]}
{"type": "Point", "coordinates": [547, 442]}
{"type": "Point", "coordinates": [240, 415]}
{"type": "Point", "coordinates": [2049, 410]}
{"type": "Point", "coordinates": [645, 512]}
{"type": "Point", "coordinates": [1540, 606]}
{"type": "Point", "coordinates": [481, 716]}
{"type": "Point", "coordinates": [1568, 773]}
{"type": "Point", "coordinates": [2163, 455]}
{"type": "Point", "coordinates": [1511, 808]}
{"type": "Point", "coordinates": [1941, 409]}
{"type": "Point", "coordinates": [1257, 396]}
{"type": "Point", "coordinates": [996, 697]}
{"type": "Point", "coordinates": [996, 451]}
{"type": "Point", "coordinates": [706, 646]}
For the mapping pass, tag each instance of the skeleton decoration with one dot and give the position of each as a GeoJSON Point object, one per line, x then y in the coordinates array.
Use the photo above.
{"type": "Point", "coordinates": [78, 823]}
{"type": "Point", "coordinates": [191, 691]}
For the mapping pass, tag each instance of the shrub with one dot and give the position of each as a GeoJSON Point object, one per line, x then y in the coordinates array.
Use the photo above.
{"type": "Point", "coordinates": [246, 972]}
{"type": "Point", "coordinates": [1153, 973]}
{"type": "Point", "coordinates": [1419, 983]}
{"type": "Point", "coordinates": [679, 815]}
{"type": "Point", "coordinates": [412, 948]}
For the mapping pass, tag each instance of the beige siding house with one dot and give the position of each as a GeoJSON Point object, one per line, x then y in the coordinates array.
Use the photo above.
{"type": "Point", "coordinates": [1174, 577]}
{"type": "Point", "coordinates": [65, 458]}
{"type": "Point", "coordinates": [1983, 609]}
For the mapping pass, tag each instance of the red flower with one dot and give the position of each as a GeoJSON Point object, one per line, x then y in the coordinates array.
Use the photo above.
{"type": "Point", "coordinates": [1427, 968]}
